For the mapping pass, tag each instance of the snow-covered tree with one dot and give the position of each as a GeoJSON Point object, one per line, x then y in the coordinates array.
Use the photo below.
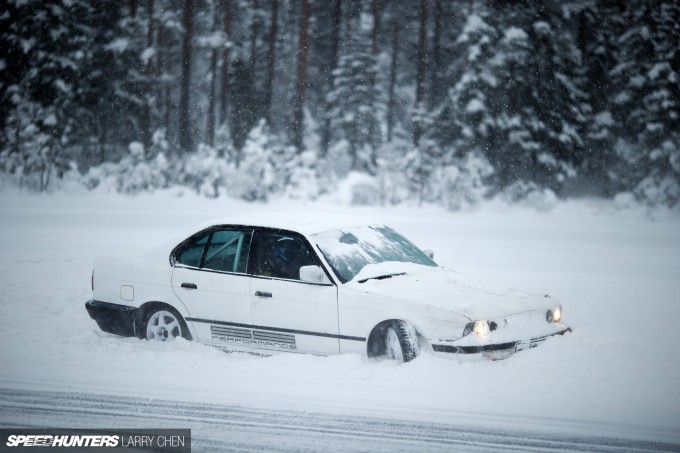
{"type": "Point", "coordinates": [578, 96]}
{"type": "Point", "coordinates": [517, 94]}
{"type": "Point", "coordinates": [356, 105]}
{"type": "Point", "coordinates": [647, 100]}
{"type": "Point", "coordinates": [206, 172]}
{"type": "Point", "coordinates": [133, 174]}
{"type": "Point", "coordinates": [43, 48]}
{"type": "Point", "coordinates": [256, 176]}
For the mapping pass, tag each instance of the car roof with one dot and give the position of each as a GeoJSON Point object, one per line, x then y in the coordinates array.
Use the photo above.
{"type": "Point", "coordinates": [305, 222]}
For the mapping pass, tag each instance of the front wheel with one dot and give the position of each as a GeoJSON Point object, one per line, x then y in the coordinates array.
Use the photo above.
{"type": "Point", "coordinates": [163, 325]}
{"type": "Point", "coordinates": [401, 342]}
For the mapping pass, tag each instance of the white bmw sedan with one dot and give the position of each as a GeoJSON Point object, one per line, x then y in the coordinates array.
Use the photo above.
{"type": "Point", "coordinates": [320, 286]}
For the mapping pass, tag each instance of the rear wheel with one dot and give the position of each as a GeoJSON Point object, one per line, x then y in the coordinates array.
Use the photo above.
{"type": "Point", "coordinates": [162, 325]}
{"type": "Point", "coordinates": [401, 342]}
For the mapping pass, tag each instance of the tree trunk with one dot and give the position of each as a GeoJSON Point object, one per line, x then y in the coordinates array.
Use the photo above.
{"type": "Point", "coordinates": [185, 139]}
{"type": "Point", "coordinates": [271, 60]}
{"type": "Point", "coordinates": [254, 34]}
{"type": "Point", "coordinates": [164, 67]}
{"type": "Point", "coordinates": [252, 106]}
{"type": "Point", "coordinates": [373, 126]}
{"type": "Point", "coordinates": [133, 7]}
{"type": "Point", "coordinates": [391, 104]}
{"type": "Point", "coordinates": [335, 49]}
{"type": "Point", "coordinates": [376, 26]}
{"type": "Point", "coordinates": [435, 72]}
{"type": "Point", "coordinates": [163, 102]}
{"type": "Point", "coordinates": [210, 119]}
{"type": "Point", "coordinates": [299, 103]}
{"type": "Point", "coordinates": [421, 60]}
{"type": "Point", "coordinates": [146, 115]}
{"type": "Point", "coordinates": [224, 92]}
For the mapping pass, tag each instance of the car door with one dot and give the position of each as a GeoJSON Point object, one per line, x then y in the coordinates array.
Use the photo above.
{"type": "Point", "coordinates": [210, 278]}
{"type": "Point", "coordinates": [288, 313]}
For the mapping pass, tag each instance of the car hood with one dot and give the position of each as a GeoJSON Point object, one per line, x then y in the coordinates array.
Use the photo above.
{"type": "Point", "coordinates": [446, 289]}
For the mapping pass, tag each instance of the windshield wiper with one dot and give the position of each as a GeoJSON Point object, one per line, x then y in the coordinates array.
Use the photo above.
{"type": "Point", "coordinates": [380, 277]}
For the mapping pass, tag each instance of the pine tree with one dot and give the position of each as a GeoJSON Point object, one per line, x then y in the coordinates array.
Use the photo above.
{"type": "Point", "coordinates": [43, 52]}
{"type": "Point", "coordinates": [355, 99]}
{"type": "Point", "coordinates": [646, 100]}
{"type": "Point", "coordinates": [517, 95]}
{"type": "Point", "coordinates": [597, 26]}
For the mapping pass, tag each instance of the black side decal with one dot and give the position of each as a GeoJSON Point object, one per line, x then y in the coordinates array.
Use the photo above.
{"type": "Point", "coordinates": [277, 329]}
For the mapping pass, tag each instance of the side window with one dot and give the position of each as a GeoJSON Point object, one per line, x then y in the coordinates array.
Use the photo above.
{"type": "Point", "coordinates": [220, 250]}
{"type": "Point", "coordinates": [228, 251]}
{"type": "Point", "coordinates": [280, 255]}
{"type": "Point", "coordinates": [191, 255]}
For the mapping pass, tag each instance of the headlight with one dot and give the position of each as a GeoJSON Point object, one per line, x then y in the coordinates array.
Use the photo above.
{"type": "Point", "coordinates": [481, 328]}
{"type": "Point", "coordinates": [554, 314]}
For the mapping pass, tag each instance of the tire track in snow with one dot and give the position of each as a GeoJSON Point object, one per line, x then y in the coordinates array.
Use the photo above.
{"type": "Point", "coordinates": [220, 427]}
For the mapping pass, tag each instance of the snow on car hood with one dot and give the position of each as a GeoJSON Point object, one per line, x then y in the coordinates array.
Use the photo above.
{"type": "Point", "coordinates": [446, 289]}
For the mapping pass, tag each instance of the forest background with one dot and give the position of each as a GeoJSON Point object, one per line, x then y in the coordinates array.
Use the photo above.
{"type": "Point", "coordinates": [435, 101]}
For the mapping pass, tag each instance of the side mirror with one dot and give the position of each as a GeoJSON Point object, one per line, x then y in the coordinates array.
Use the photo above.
{"type": "Point", "coordinates": [429, 253]}
{"type": "Point", "coordinates": [314, 274]}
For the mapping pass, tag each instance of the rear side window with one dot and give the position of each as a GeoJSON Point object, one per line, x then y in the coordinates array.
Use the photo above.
{"type": "Point", "coordinates": [220, 250]}
{"type": "Point", "coordinates": [192, 253]}
{"type": "Point", "coordinates": [228, 251]}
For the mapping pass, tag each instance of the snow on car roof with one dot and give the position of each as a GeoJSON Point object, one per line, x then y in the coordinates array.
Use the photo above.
{"type": "Point", "coordinates": [305, 222]}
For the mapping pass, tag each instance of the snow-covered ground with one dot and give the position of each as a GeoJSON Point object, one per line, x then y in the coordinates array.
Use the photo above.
{"type": "Point", "coordinates": [617, 273]}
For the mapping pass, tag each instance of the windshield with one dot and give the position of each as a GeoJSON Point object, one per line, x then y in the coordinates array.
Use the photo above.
{"type": "Point", "coordinates": [350, 249]}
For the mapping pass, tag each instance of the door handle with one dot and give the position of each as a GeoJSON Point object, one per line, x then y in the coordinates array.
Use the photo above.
{"type": "Point", "coordinates": [263, 294]}
{"type": "Point", "coordinates": [189, 286]}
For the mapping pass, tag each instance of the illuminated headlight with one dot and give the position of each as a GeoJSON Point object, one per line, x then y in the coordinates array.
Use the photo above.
{"type": "Point", "coordinates": [554, 314]}
{"type": "Point", "coordinates": [481, 328]}
{"type": "Point", "coordinates": [478, 327]}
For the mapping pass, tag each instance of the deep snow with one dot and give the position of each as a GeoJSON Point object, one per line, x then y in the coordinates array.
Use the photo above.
{"type": "Point", "coordinates": [617, 274]}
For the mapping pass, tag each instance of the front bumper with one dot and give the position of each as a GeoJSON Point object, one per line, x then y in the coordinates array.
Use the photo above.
{"type": "Point", "coordinates": [496, 351]}
{"type": "Point", "coordinates": [112, 318]}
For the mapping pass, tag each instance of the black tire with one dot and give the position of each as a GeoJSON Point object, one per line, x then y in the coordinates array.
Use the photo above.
{"type": "Point", "coordinates": [165, 322]}
{"type": "Point", "coordinates": [401, 342]}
